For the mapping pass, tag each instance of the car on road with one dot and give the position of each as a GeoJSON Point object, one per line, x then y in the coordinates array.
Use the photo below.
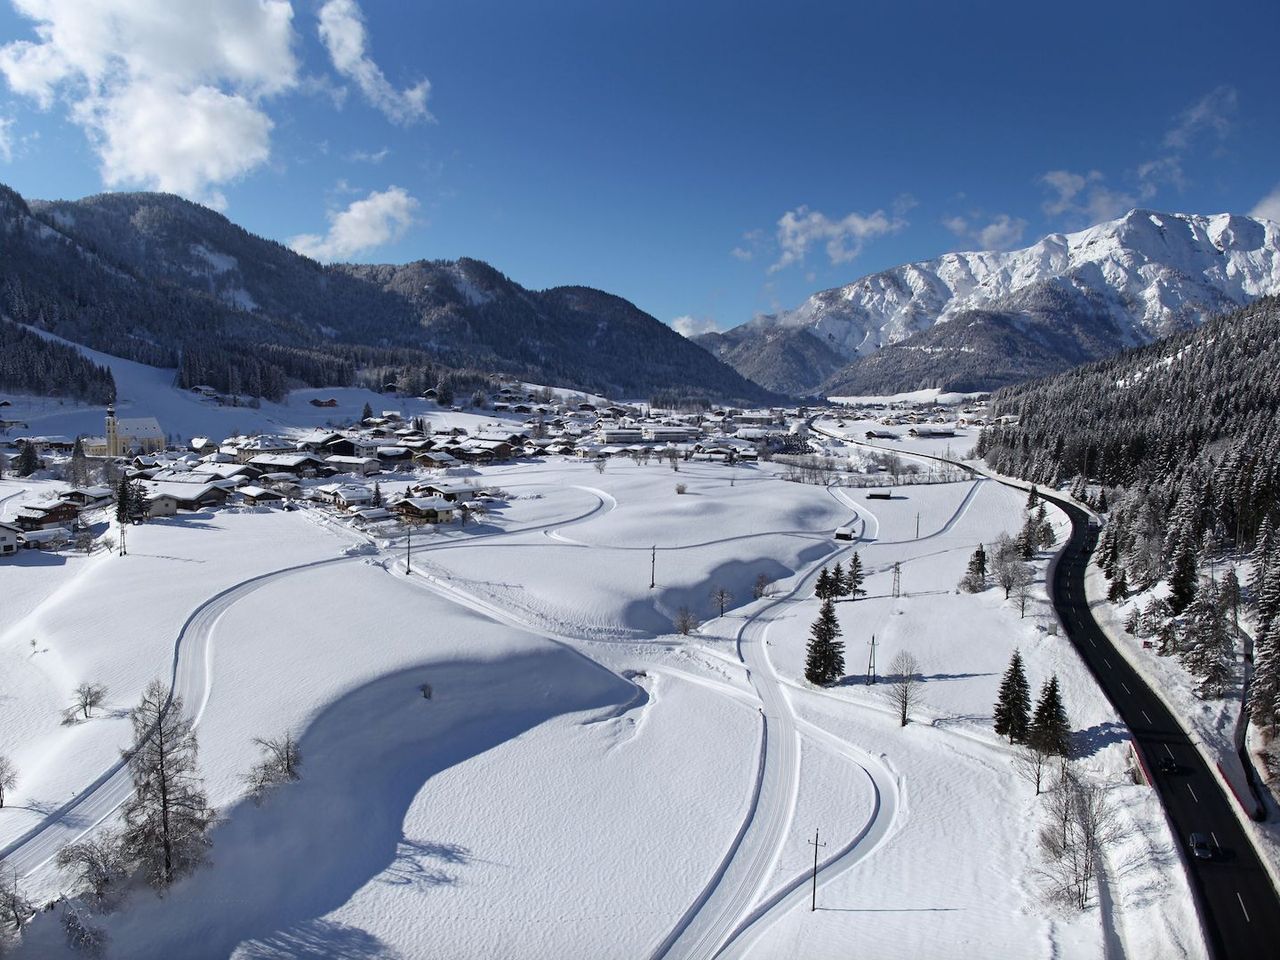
{"type": "Point", "coordinates": [1200, 848]}
{"type": "Point", "coordinates": [1167, 765]}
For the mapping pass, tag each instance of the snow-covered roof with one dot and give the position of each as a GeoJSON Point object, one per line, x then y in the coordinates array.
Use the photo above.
{"type": "Point", "coordinates": [140, 428]}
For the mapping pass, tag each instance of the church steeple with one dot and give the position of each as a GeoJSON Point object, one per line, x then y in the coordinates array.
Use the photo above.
{"type": "Point", "coordinates": [113, 441]}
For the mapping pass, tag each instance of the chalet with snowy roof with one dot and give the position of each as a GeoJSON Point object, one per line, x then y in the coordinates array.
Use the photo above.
{"type": "Point", "coordinates": [344, 495]}
{"type": "Point", "coordinates": [452, 492]}
{"type": "Point", "coordinates": [46, 514]}
{"type": "Point", "coordinates": [434, 459]}
{"type": "Point", "coordinates": [424, 510]}
{"type": "Point", "coordinates": [246, 450]}
{"type": "Point", "coordinates": [188, 491]}
{"type": "Point", "coordinates": [89, 497]}
{"type": "Point", "coordinates": [361, 466]}
{"type": "Point", "coordinates": [299, 464]}
{"type": "Point", "coordinates": [254, 496]}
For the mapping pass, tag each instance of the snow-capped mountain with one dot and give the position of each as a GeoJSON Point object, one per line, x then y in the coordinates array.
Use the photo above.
{"type": "Point", "coordinates": [1117, 284]}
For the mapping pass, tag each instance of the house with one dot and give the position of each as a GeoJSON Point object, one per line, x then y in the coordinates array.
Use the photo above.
{"type": "Point", "coordinates": [9, 536]}
{"type": "Point", "coordinates": [315, 440]}
{"type": "Point", "coordinates": [190, 492]}
{"type": "Point", "coordinates": [351, 447]}
{"type": "Point", "coordinates": [344, 495]}
{"type": "Point", "coordinates": [162, 505]}
{"type": "Point", "coordinates": [327, 402]}
{"type": "Point", "coordinates": [434, 459]}
{"type": "Point", "coordinates": [247, 450]}
{"type": "Point", "coordinates": [362, 466]}
{"type": "Point", "coordinates": [86, 497]}
{"type": "Point", "coordinates": [424, 510]}
{"type": "Point", "coordinates": [46, 514]}
{"type": "Point", "coordinates": [258, 496]}
{"type": "Point", "coordinates": [299, 464]}
{"type": "Point", "coordinates": [452, 492]}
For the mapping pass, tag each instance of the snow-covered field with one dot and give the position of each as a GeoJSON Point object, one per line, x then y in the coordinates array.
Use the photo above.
{"type": "Point", "coordinates": [584, 781]}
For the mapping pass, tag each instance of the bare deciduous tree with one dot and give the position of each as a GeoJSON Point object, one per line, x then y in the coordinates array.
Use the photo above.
{"type": "Point", "coordinates": [88, 696]}
{"type": "Point", "coordinates": [1023, 579]}
{"type": "Point", "coordinates": [685, 622]}
{"type": "Point", "coordinates": [1032, 765]}
{"type": "Point", "coordinates": [8, 776]}
{"type": "Point", "coordinates": [904, 684]}
{"type": "Point", "coordinates": [761, 587]}
{"type": "Point", "coordinates": [1082, 822]}
{"type": "Point", "coordinates": [83, 937]}
{"type": "Point", "coordinates": [96, 863]}
{"type": "Point", "coordinates": [14, 907]}
{"type": "Point", "coordinates": [601, 464]}
{"type": "Point", "coordinates": [721, 597]}
{"type": "Point", "coordinates": [167, 817]}
{"type": "Point", "coordinates": [280, 763]}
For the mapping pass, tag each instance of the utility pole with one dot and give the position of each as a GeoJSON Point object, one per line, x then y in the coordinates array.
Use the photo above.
{"type": "Point", "coordinates": [813, 905]}
{"type": "Point", "coordinates": [871, 663]}
{"type": "Point", "coordinates": [653, 566]}
{"type": "Point", "coordinates": [897, 579]}
{"type": "Point", "coordinates": [917, 524]}
{"type": "Point", "coordinates": [123, 551]}
{"type": "Point", "coordinates": [408, 549]}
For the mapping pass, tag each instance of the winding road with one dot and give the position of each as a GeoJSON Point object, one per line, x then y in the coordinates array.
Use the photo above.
{"type": "Point", "coordinates": [1238, 904]}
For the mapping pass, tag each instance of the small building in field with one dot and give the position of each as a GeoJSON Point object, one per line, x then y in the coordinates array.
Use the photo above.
{"type": "Point", "coordinates": [424, 510]}
{"type": "Point", "coordinates": [89, 497]}
{"type": "Point", "coordinates": [254, 496]}
{"type": "Point", "coordinates": [162, 505]}
{"type": "Point", "coordinates": [451, 492]}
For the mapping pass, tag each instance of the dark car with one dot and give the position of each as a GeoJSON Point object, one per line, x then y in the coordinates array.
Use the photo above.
{"type": "Point", "coordinates": [1167, 765]}
{"type": "Point", "coordinates": [1200, 848]}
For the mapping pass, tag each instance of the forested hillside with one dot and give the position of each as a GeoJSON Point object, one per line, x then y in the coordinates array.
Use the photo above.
{"type": "Point", "coordinates": [1184, 434]}
{"type": "Point", "coordinates": [161, 280]}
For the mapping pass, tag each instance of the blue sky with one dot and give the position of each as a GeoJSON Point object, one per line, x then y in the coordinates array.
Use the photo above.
{"type": "Point", "coordinates": [706, 160]}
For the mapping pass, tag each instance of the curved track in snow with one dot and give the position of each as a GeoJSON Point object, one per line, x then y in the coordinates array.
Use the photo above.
{"type": "Point", "coordinates": [190, 679]}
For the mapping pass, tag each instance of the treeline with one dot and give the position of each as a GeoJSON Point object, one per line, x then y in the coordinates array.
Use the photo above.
{"type": "Point", "coordinates": [1193, 416]}
{"type": "Point", "coordinates": [31, 364]}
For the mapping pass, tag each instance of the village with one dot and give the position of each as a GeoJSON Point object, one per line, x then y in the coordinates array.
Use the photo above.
{"type": "Point", "coordinates": [388, 471]}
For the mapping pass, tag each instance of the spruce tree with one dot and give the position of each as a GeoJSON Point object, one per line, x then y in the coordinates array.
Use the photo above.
{"type": "Point", "coordinates": [822, 589]}
{"type": "Point", "coordinates": [366, 413]}
{"type": "Point", "coordinates": [838, 583]}
{"type": "Point", "coordinates": [124, 491]}
{"type": "Point", "coordinates": [1264, 687]}
{"type": "Point", "coordinates": [1182, 571]}
{"type": "Point", "coordinates": [28, 461]}
{"type": "Point", "coordinates": [1261, 556]}
{"type": "Point", "coordinates": [1013, 704]}
{"type": "Point", "coordinates": [1029, 538]}
{"type": "Point", "coordinates": [1033, 498]}
{"type": "Point", "coordinates": [975, 575]}
{"type": "Point", "coordinates": [1207, 648]}
{"type": "Point", "coordinates": [1050, 730]}
{"type": "Point", "coordinates": [1119, 589]}
{"type": "Point", "coordinates": [824, 662]}
{"type": "Point", "coordinates": [853, 580]}
{"type": "Point", "coordinates": [376, 499]}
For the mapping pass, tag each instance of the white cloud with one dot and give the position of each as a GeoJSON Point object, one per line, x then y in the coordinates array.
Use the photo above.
{"type": "Point", "coordinates": [6, 139]}
{"type": "Point", "coordinates": [689, 326]}
{"type": "Point", "coordinates": [168, 93]}
{"type": "Point", "coordinates": [843, 239]}
{"type": "Point", "coordinates": [378, 219]}
{"type": "Point", "coordinates": [1268, 208]}
{"type": "Point", "coordinates": [1001, 232]}
{"type": "Point", "coordinates": [342, 31]}
{"type": "Point", "coordinates": [1084, 197]}
{"type": "Point", "coordinates": [367, 156]}
{"type": "Point", "coordinates": [1211, 113]}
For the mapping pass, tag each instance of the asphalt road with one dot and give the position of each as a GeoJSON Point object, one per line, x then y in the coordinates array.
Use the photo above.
{"type": "Point", "coordinates": [1238, 904]}
{"type": "Point", "coordinates": [1239, 907]}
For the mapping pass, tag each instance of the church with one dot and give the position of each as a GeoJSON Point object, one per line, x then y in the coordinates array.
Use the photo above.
{"type": "Point", "coordinates": [125, 437]}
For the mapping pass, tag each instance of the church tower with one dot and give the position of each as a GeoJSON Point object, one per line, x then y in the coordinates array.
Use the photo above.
{"type": "Point", "coordinates": [113, 441]}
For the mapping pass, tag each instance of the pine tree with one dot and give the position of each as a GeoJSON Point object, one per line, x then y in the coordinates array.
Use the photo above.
{"type": "Point", "coordinates": [824, 662]}
{"type": "Point", "coordinates": [366, 413]}
{"type": "Point", "coordinates": [838, 582]}
{"type": "Point", "coordinates": [1102, 501]}
{"type": "Point", "coordinates": [1264, 687]}
{"type": "Point", "coordinates": [139, 502]}
{"type": "Point", "coordinates": [1207, 648]}
{"type": "Point", "coordinates": [1050, 730]}
{"type": "Point", "coordinates": [1182, 571]}
{"type": "Point", "coordinates": [853, 580]}
{"type": "Point", "coordinates": [822, 589]}
{"type": "Point", "coordinates": [1028, 538]}
{"type": "Point", "coordinates": [166, 819]}
{"type": "Point", "coordinates": [78, 466]}
{"type": "Point", "coordinates": [124, 490]}
{"type": "Point", "coordinates": [1013, 704]}
{"type": "Point", "coordinates": [1119, 589]}
{"type": "Point", "coordinates": [28, 461]}
{"type": "Point", "coordinates": [1033, 498]}
{"type": "Point", "coordinates": [376, 499]}
{"type": "Point", "coordinates": [975, 576]}
{"type": "Point", "coordinates": [1261, 556]}
{"type": "Point", "coordinates": [1133, 625]}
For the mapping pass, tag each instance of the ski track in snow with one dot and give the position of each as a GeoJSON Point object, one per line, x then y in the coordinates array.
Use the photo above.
{"type": "Point", "coordinates": [190, 679]}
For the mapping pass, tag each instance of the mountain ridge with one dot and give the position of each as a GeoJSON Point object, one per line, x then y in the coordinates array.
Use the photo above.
{"type": "Point", "coordinates": [1117, 284]}
{"type": "Point", "coordinates": [159, 279]}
